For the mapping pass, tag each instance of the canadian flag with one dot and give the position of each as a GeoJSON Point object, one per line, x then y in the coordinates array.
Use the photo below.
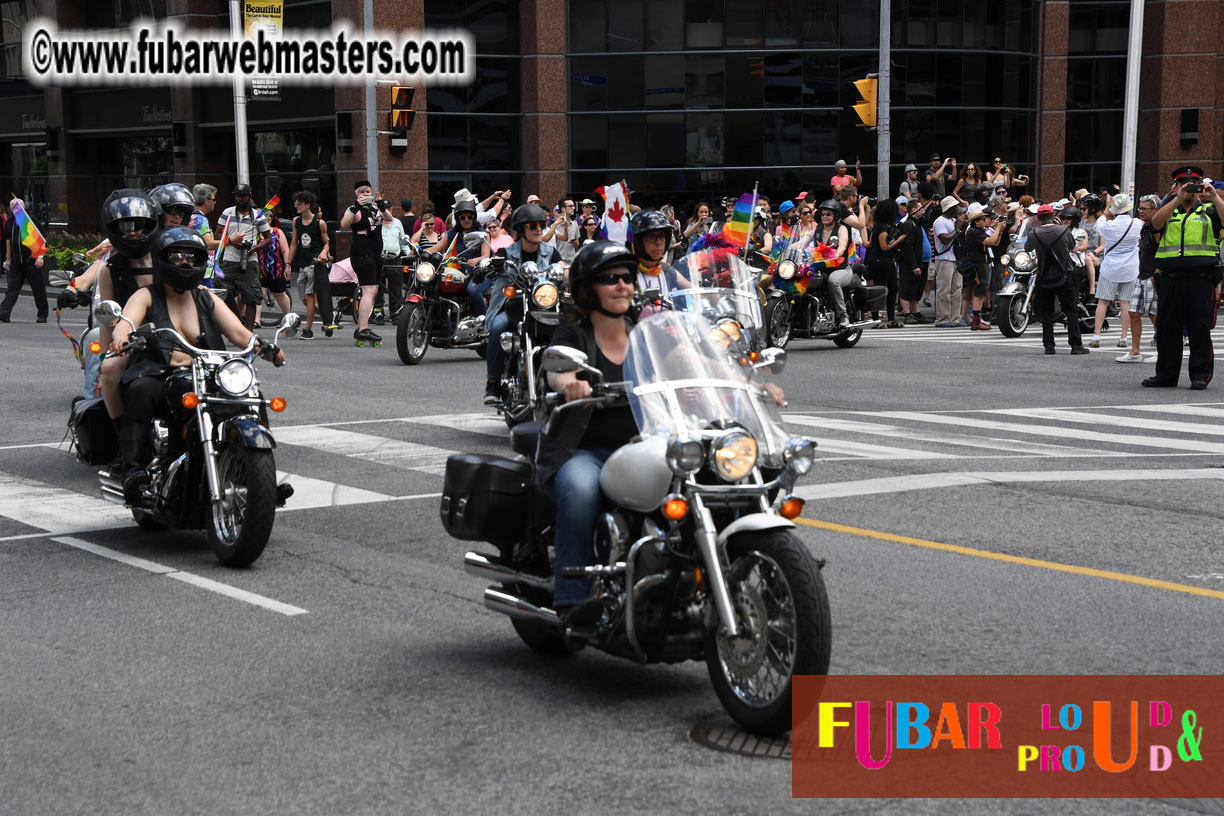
{"type": "Point", "coordinates": [615, 222]}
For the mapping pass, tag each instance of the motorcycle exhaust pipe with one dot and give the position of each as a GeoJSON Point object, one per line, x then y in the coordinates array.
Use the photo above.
{"type": "Point", "coordinates": [112, 488]}
{"type": "Point", "coordinates": [516, 607]}
{"type": "Point", "coordinates": [481, 567]}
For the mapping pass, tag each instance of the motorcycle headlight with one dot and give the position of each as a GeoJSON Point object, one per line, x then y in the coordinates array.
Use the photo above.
{"type": "Point", "coordinates": [734, 455]}
{"type": "Point", "coordinates": [732, 329]}
{"type": "Point", "coordinates": [544, 295]}
{"type": "Point", "coordinates": [685, 456]}
{"type": "Point", "coordinates": [1005, 260]}
{"type": "Point", "coordinates": [800, 455]}
{"type": "Point", "coordinates": [1023, 261]}
{"type": "Point", "coordinates": [425, 272]}
{"type": "Point", "coordinates": [236, 378]}
{"type": "Point", "coordinates": [786, 270]}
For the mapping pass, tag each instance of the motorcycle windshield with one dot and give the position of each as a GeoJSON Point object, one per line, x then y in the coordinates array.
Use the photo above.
{"type": "Point", "coordinates": [723, 286]}
{"type": "Point", "coordinates": [683, 382]}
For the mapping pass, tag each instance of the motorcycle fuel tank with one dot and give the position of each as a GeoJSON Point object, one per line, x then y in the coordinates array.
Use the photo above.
{"type": "Point", "coordinates": [636, 476]}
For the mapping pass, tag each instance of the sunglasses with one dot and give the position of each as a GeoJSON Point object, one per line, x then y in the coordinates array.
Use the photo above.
{"type": "Point", "coordinates": [535, 225]}
{"type": "Point", "coordinates": [805, 212]}
{"type": "Point", "coordinates": [465, 215]}
{"type": "Point", "coordinates": [179, 256]}
{"type": "Point", "coordinates": [611, 279]}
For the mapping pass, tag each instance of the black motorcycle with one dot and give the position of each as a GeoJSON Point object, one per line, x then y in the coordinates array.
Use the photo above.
{"type": "Point", "coordinates": [437, 311]}
{"type": "Point", "coordinates": [212, 465]}
{"type": "Point", "coordinates": [1014, 307]}
{"type": "Point", "coordinates": [534, 298]}
{"type": "Point", "coordinates": [799, 305]}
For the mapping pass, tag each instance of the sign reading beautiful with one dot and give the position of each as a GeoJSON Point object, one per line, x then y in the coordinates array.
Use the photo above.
{"type": "Point", "coordinates": [1007, 736]}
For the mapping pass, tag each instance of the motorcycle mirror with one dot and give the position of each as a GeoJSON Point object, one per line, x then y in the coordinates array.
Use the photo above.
{"type": "Point", "coordinates": [529, 268]}
{"type": "Point", "coordinates": [558, 272]}
{"type": "Point", "coordinates": [772, 360]}
{"type": "Point", "coordinates": [563, 359]}
{"type": "Point", "coordinates": [289, 324]}
{"type": "Point", "coordinates": [474, 239]}
{"type": "Point", "coordinates": [108, 312]}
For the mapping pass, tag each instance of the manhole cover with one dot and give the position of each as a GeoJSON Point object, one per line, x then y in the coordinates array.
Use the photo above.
{"type": "Point", "coordinates": [725, 735]}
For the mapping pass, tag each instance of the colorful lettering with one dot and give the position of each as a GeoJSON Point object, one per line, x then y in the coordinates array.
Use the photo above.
{"type": "Point", "coordinates": [827, 711]}
{"type": "Point", "coordinates": [1102, 730]}
{"type": "Point", "coordinates": [911, 720]}
{"type": "Point", "coordinates": [862, 735]}
{"type": "Point", "coordinates": [985, 716]}
{"type": "Point", "coordinates": [949, 728]}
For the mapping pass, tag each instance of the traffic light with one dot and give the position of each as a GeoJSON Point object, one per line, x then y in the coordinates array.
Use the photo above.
{"type": "Point", "coordinates": [401, 116]}
{"type": "Point", "coordinates": [866, 109]}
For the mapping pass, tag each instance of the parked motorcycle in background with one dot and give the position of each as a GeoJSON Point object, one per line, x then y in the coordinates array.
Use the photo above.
{"type": "Point", "coordinates": [698, 559]}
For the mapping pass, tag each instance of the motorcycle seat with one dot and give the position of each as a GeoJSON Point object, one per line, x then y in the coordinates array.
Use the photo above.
{"type": "Point", "coordinates": [525, 437]}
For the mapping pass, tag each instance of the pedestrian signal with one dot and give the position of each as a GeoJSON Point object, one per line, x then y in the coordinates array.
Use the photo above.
{"type": "Point", "coordinates": [402, 113]}
{"type": "Point", "coordinates": [866, 109]}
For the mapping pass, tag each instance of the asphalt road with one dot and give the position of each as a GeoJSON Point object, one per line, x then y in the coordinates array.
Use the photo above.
{"type": "Point", "coordinates": [126, 687]}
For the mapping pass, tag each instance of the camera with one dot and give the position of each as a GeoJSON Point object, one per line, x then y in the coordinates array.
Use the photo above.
{"type": "Point", "coordinates": [1195, 188]}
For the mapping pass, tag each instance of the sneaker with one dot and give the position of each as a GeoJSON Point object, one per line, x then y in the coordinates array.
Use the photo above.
{"type": "Point", "coordinates": [307, 334]}
{"type": "Point", "coordinates": [908, 318]}
{"type": "Point", "coordinates": [984, 320]}
{"type": "Point", "coordinates": [1151, 358]}
{"type": "Point", "coordinates": [1079, 350]}
{"type": "Point", "coordinates": [1123, 342]}
{"type": "Point", "coordinates": [1130, 358]}
{"type": "Point", "coordinates": [492, 393]}
{"type": "Point", "coordinates": [1095, 342]}
{"type": "Point", "coordinates": [961, 322]}
{"type": "Point", "coordinates": [920, 318]}
{"type": "Point", "coordinates": [41, 319]}
{"type": "Point", "coordinates": [926, 301]}
{"type": "Point", "coordinates": [945, 324]}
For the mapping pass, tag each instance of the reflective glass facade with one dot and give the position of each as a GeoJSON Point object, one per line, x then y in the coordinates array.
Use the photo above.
{"type": "Point", "coordinates": [1096, 88]}
{"type": "Point", "coordinates": [704, 97]}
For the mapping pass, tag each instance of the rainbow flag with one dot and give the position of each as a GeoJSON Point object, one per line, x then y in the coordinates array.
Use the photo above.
{"type": "Point", "coordinates": [736, 230]}
{"type": "Point", "coordinates": [451, 258]}
{"type": "Point", "coordinates": [216, 268]}
{"type": "Point", "coordinates": [270, 206]}
{"type": "Point", "coordinates": [31, 238]}
{"type": "Point", "coordinates": [786, 234]}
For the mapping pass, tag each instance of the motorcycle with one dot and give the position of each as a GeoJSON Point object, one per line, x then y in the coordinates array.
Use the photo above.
{"type": "Point", "coordinates": [697, 555]}
{"type": "Point", "coordinates": [1014, 308]}
{"type": "Point", "coordinates": [800, 305]}
{"type": "Point", "coordinates": [534, 298]}
{"type": "Point", "coordinates": [726, 292]}
{"type": "Point", "coordinates": [212, 463]}
{"type": "Point", "coordinates": [437, 311]}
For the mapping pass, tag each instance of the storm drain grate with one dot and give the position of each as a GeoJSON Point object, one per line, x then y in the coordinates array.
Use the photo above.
{"type": "Point", "coordinates": [724, 735]}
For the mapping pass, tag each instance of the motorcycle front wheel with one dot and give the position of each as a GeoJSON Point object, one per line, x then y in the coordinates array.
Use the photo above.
{"type": "Point", "coordinates": [1008, 317]}
{"type": "Point", "coordinates": [242, 520]}
{"type": "Point", "coordinates": [778, 322]}
{"type": "Point", "coordinates": [412, 334]}
{"type": "Point", "coordinates": [782, 612]}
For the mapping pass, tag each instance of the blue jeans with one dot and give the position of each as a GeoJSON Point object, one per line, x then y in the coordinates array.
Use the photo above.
{"type": "Point", "coordinates": [476, 295]}
{"type": "Point", "coordinates": [495, 359]}
{"type": "Point", "coordinates": [93, 364]}
{"type": "Point", "coordinates": [575, 490]}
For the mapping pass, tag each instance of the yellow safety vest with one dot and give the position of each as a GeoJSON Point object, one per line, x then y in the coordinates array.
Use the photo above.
{"type": "Point", "coordinates": [1188, 235]}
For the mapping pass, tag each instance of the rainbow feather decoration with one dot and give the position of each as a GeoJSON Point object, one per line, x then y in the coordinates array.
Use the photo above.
{"type": "Point", "coordinates": [826, 257]}
{"type": "Point", "coordinates": [797, 285]}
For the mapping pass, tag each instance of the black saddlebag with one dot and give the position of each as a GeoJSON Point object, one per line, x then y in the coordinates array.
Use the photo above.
{"type": "Point", "coordinates": [874, 298]}
{"type": "Point", "coordinates": [93, 432]}
{"type": "Point", "coordinates": [485, 498]}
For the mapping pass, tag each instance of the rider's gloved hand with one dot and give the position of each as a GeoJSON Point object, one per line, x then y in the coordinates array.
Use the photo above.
{"type": "Point", "coordinates": [67, 299]}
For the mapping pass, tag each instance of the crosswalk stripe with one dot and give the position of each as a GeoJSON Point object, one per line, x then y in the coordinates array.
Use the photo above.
{"type": "Point", "coordinates": [392, 452]}
{"type": "Point", "coordinates": [936, 438]}
{"type": "Point", "coordinates": [56, 510]}
{"type": "Point", "coordinates": [1138, 423]}
{"type": "Point", "coordinates": [487, 423]}
{"type": "Point", "coordinates": [1056, 431]}
{"type": "Point", "coordinates": [1186, 410]}
{"type": "Point", "coordinates": [310, 493]}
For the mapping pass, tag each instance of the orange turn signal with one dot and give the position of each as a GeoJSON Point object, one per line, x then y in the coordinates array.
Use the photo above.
{"type": "Point", "coordinates": [95, 347]}
{"type": "Point", "coordinates": [792, 507]}
{"type": "Point", "coordinates": [509, 291]}
{"type": "Point", "coordinates": [191, 400]}
{"type": "Point", "coordinates": [675, 509]}
{"type": "Point", "coordinates": [754, 356]}
{"type": "Point", "coordinates": [698, 576]}
{"type": "Point", "coordinates": [277, 404]}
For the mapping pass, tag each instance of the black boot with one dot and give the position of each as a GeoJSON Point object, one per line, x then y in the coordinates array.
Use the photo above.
{"type": "Point", "coordinates": [134, 457]}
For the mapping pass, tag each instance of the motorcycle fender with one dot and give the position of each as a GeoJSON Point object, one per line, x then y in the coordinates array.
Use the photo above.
{"type": "Point", "coordinates": [246, 431]}
{"type": "Point", "coordinates": [753, 523]}
{"type": "Point", "coordinates": [775, 294]}
{"type": "Point", "coordinates": [1014, 288]}
{"type": "Point", "coordinates": [414, 298]}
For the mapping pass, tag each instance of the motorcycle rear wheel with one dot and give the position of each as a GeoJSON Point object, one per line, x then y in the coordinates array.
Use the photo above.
{"type": "Point", "coordinates": [242, 522]}
{"type": "Point", "coordinates": [412, 334]}
{"type": "Point", "coordinates": [542, 639]}
{"type": "Point", "coordinates": [785, 629]}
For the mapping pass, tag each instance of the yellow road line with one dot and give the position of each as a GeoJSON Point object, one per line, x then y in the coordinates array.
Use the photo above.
{"type": "Point", "coordinates": [1012, 559]}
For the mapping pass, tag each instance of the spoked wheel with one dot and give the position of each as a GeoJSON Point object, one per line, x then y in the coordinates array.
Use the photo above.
{"type": "Point", "coordinates": [1011, 321]}
{"type": "Point", "coordinates": [412, 334]}
{"type": "Point", "coordinates": [242, 520]}
{"type": "Point", "coordinates": [783, 616]}
{"type": "Point", "coordinates": [778, 322]}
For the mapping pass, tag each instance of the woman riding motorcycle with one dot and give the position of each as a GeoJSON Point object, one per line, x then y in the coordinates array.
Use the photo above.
{"type": "Point", "coordinates": [179, 257]}
{"type": "Point", "coordinates": [603, 279]}
{"type": "Point", "coordinates": [653, 236]}
{"type": "Point", "coordinates": [465, 222]}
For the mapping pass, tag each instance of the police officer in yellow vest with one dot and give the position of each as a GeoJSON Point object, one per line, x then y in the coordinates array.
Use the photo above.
{"type": "Point", "coordinates": [1187, 261]}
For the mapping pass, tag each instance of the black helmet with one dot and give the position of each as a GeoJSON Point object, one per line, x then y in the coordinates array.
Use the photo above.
{"type": "Point", "coordinates": [1091, 203]}
{"type": "Point", "coordinates": [832, 205]}
{"type": "Point", "coordinates": [180, 276]}
{"type": "Point", "coordinates": [527, 214]}
{"type": "Point", "coordinates": [647, 221]}
{"type": "Point", "coordinates": [1070, 213]}
{"type": "Point", "coordinates": [130, 209]}
{"type": "Point", "coordinates": [592, 259]}
{"type": "Point", "coordinates": [174, 197]}
{"type": "Point", "coordinates": [465, 206]}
